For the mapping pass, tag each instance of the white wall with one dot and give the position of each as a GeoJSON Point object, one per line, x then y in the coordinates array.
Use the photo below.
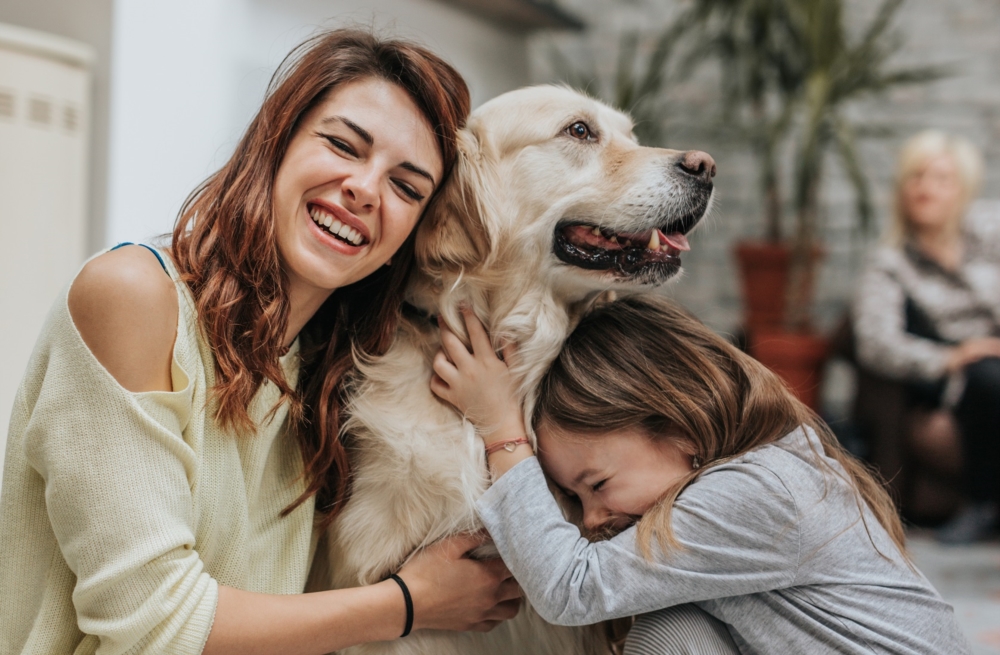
{"type": "Point", "coordinates": [87, 21]}
{"type": "Point", "coordinates": [188, 75]}
{"type": "Point", "coordinates": [45, 87]}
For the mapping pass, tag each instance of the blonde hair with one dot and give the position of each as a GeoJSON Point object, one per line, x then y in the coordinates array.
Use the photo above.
{"type": "Point", "coordinates": [644, 362]}
{"type": "Point", "coordinates": [915, 155]}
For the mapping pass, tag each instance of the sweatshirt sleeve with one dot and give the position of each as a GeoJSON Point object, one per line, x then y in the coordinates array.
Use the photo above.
{"type": "Point", "coordinates": [118, 479]}
{"type": "Point", "coordinates": [737, 526]}
{"type": "Point", "coordinates": [883, 344]}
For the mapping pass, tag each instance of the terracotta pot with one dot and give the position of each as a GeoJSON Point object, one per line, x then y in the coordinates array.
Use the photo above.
{"type": "Point", "coordinates": [764, 274]}
{"type": "Point", "coordinates": [797, 358]}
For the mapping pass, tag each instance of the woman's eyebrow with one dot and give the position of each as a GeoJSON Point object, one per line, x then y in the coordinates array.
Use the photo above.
{"type": "Point", "coordinates": [370, 140]}
{"type": "Point", "coordinates": [419, 171]}
{"type": "Point", "coordinates": [360, 131]}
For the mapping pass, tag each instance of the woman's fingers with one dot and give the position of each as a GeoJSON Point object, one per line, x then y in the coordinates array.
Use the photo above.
{"type": "Point", "coordinates": [458, 546]}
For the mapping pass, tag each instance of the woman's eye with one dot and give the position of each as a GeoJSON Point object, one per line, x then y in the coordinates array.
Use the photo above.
{"type": "Point", "coordinates": [339, 145]}
{"type": "Point", "coordinates": [580, 130]}
{"type": "Point", "coordinates": [409, 191]}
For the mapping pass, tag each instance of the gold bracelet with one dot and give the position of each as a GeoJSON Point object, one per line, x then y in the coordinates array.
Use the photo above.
{"type": "Point", "coordinates": [509, 446]}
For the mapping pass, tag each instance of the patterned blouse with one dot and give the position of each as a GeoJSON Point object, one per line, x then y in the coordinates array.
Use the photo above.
{"type": "Point", "coordinates": [957, 305]}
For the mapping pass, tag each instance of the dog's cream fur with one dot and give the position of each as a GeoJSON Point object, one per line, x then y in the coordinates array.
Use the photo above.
{"type": "Point", "coordinates": [488, 242]}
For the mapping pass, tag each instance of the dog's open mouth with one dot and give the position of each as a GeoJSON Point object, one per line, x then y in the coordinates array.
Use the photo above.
{"type": "Point", "coordinates": [650, 256]}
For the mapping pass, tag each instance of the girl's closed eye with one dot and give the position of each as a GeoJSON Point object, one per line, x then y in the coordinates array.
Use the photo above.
{"type": "Point", "coordinates": [598, 486]}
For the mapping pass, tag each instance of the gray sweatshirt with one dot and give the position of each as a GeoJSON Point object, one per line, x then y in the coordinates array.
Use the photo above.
{"type": "Point", "coordinates": [770, 546]}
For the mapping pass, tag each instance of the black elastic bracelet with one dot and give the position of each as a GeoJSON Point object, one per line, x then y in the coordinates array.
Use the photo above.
{"type": "Point", "coordinates": [409, 604]}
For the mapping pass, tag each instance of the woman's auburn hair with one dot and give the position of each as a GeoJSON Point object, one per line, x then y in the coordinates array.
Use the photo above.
{"type": "Point", "coordinates": [646, 363]}
{"type": "Point", "coordinates": [225, 247]}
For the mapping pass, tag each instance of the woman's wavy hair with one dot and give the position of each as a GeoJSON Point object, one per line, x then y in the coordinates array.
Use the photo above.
{"type": "Point", "coordinates": [645, 363]}
{"type": "Point", "coordinates": [226, 250]}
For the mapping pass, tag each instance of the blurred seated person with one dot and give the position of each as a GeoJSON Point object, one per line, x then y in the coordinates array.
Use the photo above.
{"type": "Point", "coordinates": [927, 311]}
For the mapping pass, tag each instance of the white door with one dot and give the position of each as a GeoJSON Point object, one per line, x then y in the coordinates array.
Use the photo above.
{"type": "Point", "coordinates": [44, 118]}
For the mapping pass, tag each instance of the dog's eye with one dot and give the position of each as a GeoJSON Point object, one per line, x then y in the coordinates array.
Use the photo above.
{"type": "Point", "coordinates": [580, 130]}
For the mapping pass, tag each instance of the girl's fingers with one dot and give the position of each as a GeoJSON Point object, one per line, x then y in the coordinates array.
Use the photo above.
{"type": "Point", "coordinates": [477, 333]}
{"type": "Point", "coordinates": [453, 346]}
{"type": "Point", "coordinates": [509, 350]}
{"type": "Point", "coordinates": [440, 388]}
{"type": "Point", "coordinates": [444, 368]}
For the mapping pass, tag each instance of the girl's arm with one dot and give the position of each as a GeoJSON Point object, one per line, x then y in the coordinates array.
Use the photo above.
{"type": "Point", "coordinates": [479, 385]}
{"type": "Point", "coordinates": [737, 525]}
{"type": "Point", "coordinates": [119, 501]}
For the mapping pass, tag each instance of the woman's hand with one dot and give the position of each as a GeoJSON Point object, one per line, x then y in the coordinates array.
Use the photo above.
{"type": "Point", "coordinates": [478, 383]}
{"type": "Point", "coordinates": [453, 592]}
{"type": "Point", "coordinates": [971, 351]}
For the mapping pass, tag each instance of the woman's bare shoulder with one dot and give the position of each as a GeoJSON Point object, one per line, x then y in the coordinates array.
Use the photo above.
{"type": "Point", "coordinates": [125, 307]}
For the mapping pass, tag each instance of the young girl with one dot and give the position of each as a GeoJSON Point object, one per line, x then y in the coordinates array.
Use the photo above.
{"type": "Point", "coordinates": [723, 491]}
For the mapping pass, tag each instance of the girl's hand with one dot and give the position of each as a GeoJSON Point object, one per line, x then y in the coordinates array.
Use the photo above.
{"type": "Point", "coordinates": [453, 592]}
{"type": "Point", "coordinates": [478, 383]}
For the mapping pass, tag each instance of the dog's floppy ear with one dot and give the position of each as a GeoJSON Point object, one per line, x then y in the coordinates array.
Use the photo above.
{"type": "Point", "coordinates": [456, 232]}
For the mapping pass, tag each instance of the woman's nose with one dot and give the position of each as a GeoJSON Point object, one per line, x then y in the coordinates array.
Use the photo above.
{"type": "Point", "coordinates": [361, 191]}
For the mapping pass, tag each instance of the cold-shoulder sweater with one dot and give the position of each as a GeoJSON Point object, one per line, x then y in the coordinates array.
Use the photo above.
{"type": "Point", "coordinates": [122, 512]}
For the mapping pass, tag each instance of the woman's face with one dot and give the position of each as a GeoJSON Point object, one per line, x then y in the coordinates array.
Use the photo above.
{"type": "Point", "coordinates": [617, 477]}
{"type": "Point", "coordinates": [358, 172]}
{"type": "Point", "coordinates": [932, 195]}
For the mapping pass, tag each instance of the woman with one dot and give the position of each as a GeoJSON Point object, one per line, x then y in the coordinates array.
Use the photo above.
{"type": "Point", "coordinates": [174, 431]}
{"type": "Point", "coordinates": [928, 310]}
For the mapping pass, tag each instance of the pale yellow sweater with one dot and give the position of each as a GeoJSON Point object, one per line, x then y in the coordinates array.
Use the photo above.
{"type": "Point", "coordinates": [122, 512]}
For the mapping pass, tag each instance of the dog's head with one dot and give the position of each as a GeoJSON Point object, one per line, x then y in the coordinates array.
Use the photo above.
{"type": "Point", "coordinates": [554, 183]}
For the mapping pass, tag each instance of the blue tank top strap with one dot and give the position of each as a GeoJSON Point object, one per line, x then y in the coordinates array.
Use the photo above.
{"type": "Point", "coordinates": [151, 249]}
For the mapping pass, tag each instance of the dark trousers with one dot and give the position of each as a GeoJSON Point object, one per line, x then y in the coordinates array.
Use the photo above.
{"type": "Point", "coordinates": [978, 417]}
{"type": "Point", "coordinates": [977, 412]}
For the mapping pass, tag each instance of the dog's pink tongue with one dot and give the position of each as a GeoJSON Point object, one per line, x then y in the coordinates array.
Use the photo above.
{"type": "Point", "coordinates": [676, 240]}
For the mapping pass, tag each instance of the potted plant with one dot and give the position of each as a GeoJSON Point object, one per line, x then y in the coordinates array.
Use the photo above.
{"type": "Point", "coordinates": [790, 71]}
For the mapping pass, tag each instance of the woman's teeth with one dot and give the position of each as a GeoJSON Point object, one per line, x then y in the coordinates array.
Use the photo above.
{"type": "Point", "coordinates": [335, 227]}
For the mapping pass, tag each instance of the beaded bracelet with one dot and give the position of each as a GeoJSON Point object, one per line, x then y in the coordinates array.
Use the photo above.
{"type": "Point", "coordinates": [509, 446]}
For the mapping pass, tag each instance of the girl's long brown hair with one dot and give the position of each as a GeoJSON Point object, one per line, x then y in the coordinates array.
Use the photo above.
{"type": "Point", "coordinates": [225, 247]}
{"type": "Point", "coordinates": [644, 362]}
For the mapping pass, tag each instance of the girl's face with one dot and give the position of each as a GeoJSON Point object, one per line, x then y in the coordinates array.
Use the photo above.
{"type": "Point", "coordinates": [617, 476]}
{"type": "Point", "coordinates": [932, 194]}
{"type": "Point", "coordinates": [358, 172]}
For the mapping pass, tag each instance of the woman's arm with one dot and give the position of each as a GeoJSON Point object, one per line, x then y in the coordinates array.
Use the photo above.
{"type": "Point", "coordinates": [450, 592]}
{"type": "Point", "coordinates": [119, 501]}
{"type": "Point", "coordinates": [883, 345]}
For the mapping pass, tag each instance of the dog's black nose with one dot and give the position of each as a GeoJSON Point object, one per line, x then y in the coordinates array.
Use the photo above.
{"type": "Point", "coordinates": [698, 164]}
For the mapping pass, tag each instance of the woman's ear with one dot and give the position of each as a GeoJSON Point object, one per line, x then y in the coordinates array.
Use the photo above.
{"type": "Point", "coordinates": [454, 235]}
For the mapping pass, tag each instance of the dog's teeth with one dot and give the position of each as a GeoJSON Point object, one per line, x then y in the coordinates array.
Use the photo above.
{"type": "Point", "coordinates": [654, 240]}
{"type": "Point", "coordinates": [614, 239]}
{"type": "Point", "coordinates": [628, 242]}
{"type": "Point", "coordinates": [596, 231]}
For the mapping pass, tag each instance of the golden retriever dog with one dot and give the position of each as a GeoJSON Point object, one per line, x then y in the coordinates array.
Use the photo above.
{"type": "Point", "coordinates": [552, 203]}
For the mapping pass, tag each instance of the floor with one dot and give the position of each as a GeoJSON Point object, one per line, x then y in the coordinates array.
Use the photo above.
{"type": "Point", "coordinates": [968, 577]}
